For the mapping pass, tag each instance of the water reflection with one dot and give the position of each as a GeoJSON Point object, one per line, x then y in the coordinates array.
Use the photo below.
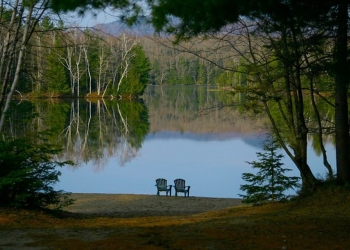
{"type": "Point", "coordinates": [186, 132]}
{"type": "Point", "coordinates": [100, 130]}
{"type": "Point", "coordinates": [212, 167]}
{"type": "Point", "coordinates": [193, 135]}
{"type": "Point", "coordinates": [87, 130]}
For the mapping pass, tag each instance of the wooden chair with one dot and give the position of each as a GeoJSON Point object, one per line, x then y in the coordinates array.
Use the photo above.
{"type": "Point", "coordinates": [180, 187]}
{"type": "Point", "coordinates": [161, 185]}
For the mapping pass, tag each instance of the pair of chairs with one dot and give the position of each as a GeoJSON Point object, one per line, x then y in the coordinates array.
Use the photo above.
{"type": "Point", "coordinates": [179, 186]}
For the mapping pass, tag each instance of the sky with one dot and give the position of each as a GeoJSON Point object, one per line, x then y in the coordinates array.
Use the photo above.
{"type": "Point", "coordinates": [90, 19]}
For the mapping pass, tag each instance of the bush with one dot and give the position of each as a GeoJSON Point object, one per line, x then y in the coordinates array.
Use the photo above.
{"type": "Point", "coordinates": [270, 183]}
{"type": "Point", "coordinates": [28, 172]}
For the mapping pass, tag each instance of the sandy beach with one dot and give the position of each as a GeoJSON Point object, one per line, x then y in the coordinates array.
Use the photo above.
{"type": "Point", "coordinates": [135, 205]}
{"type": "Point", "coordinates": [129, 221]}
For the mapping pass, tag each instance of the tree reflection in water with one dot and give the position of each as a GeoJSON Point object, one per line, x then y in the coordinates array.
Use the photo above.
{"type": "Point", "coordinates": [88, 130]}
{"type": "Point", "coordinates": [190, 132]}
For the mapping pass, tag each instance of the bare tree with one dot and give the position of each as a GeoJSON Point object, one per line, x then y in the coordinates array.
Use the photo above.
{"type": "Point", "coordinates": [126, 47]}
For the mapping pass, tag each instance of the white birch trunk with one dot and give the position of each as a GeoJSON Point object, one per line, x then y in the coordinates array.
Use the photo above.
{"type": "Point", "coordinates": [27, 32]}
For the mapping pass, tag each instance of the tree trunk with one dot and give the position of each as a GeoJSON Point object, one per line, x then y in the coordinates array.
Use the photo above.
{"type": "Point", "coordinates": [6, 51]}
{"type": "Point", "coordinates": [341, 101]}
{"type": "Point", "coordinates": [26, 34]}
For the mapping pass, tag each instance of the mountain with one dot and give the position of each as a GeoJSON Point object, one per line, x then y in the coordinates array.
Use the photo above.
{"type": "Point", "coordinates": [116, 28]}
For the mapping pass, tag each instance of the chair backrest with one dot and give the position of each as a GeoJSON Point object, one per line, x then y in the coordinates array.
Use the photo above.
{"type": "Point", "coordinates": [161, 182]}
{"type": "Point", "coordinates": [179, 184]}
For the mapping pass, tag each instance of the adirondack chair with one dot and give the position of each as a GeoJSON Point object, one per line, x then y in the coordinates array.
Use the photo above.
{"type": "Point", "coordinates": [161, 185]}
{"type": "Point", "coordinates": [180, 187]}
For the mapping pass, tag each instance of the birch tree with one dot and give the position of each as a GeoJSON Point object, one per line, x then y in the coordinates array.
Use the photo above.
{"type": "Point", "coordinates": [25, 17]}
{"type": "Point", "coordinates": [126, 45]}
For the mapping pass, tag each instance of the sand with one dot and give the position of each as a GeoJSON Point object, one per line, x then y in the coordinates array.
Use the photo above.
{"type": "Point", "coordinates": [135, 205]}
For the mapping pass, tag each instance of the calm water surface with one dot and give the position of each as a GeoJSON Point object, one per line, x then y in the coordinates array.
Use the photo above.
{"type": "Point", "coordinates": [208, 147]}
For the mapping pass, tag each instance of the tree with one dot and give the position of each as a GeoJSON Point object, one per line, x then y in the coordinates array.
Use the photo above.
{"type": "Point", "coordinates": [137, 78]}
{"type": "Point", "coordinates": [28, 173]}
{"type": "Point", "coordinates": [276, 73]}
{"type": "Point", "coordinates": [24, 19]}
{"type": "Point", "coordinates": [270, 182]}
{"type": "Point", "coordinates": [56, 78]}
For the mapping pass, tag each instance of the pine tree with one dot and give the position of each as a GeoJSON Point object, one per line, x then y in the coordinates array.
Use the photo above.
{"type": "Point", "coordinates": [138, 75]}
{"type": "Point", "coordinates": [29, 172]}
{"type": "Point", "coordinates": [270, 182]}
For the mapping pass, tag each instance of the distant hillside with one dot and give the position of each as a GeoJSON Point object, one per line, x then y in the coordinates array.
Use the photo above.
{"type": "Point", "coordinates": [252, 139]}
{"type": "Point", "coordinates": [142, 28]}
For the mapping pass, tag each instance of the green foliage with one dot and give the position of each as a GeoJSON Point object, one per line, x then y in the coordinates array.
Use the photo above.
{"type": "Point", "coordinates": [138, 76]}
{"type": "Point", "coordinates": [138, 120]}
{"type": "Point", "coordinates": [270, 182]}
{"type": "Point", "coordinates": [213, 15]}
{"type": "Point", "coordinates": [236, 76]}
{"type": "Point", "coordinates": [28, 173]}
{"type": "Point", "coordinates": [56, 75]}
{"type": "Point", "coordinates": [5, 14]}
{"type": "Point", "coordinates": [46, 24]}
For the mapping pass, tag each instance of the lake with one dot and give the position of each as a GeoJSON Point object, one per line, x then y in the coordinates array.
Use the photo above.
{"type": "Point", "coordinates": [194, 133]}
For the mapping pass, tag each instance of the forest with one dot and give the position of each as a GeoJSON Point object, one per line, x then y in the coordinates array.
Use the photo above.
{"type": "Point", "coordinates": [68, 61]}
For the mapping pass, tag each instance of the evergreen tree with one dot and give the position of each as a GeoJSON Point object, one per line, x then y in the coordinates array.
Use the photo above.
{"type": "Point", "coordinates": [28, 173]}
{"type": "Point", "coordinates": [56, 75]}
{"type": "Point", "coordinates": [138, 75]}
{"type": "Point", "coordinates": [270, 182]}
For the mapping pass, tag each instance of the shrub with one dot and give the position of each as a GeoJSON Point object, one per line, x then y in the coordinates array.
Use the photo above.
{"type": "Point", "coordinates": [28, 172]}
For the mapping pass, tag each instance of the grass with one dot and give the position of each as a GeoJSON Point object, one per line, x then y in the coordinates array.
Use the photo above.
{"type": "Point", "coordinates": [320, 221]}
